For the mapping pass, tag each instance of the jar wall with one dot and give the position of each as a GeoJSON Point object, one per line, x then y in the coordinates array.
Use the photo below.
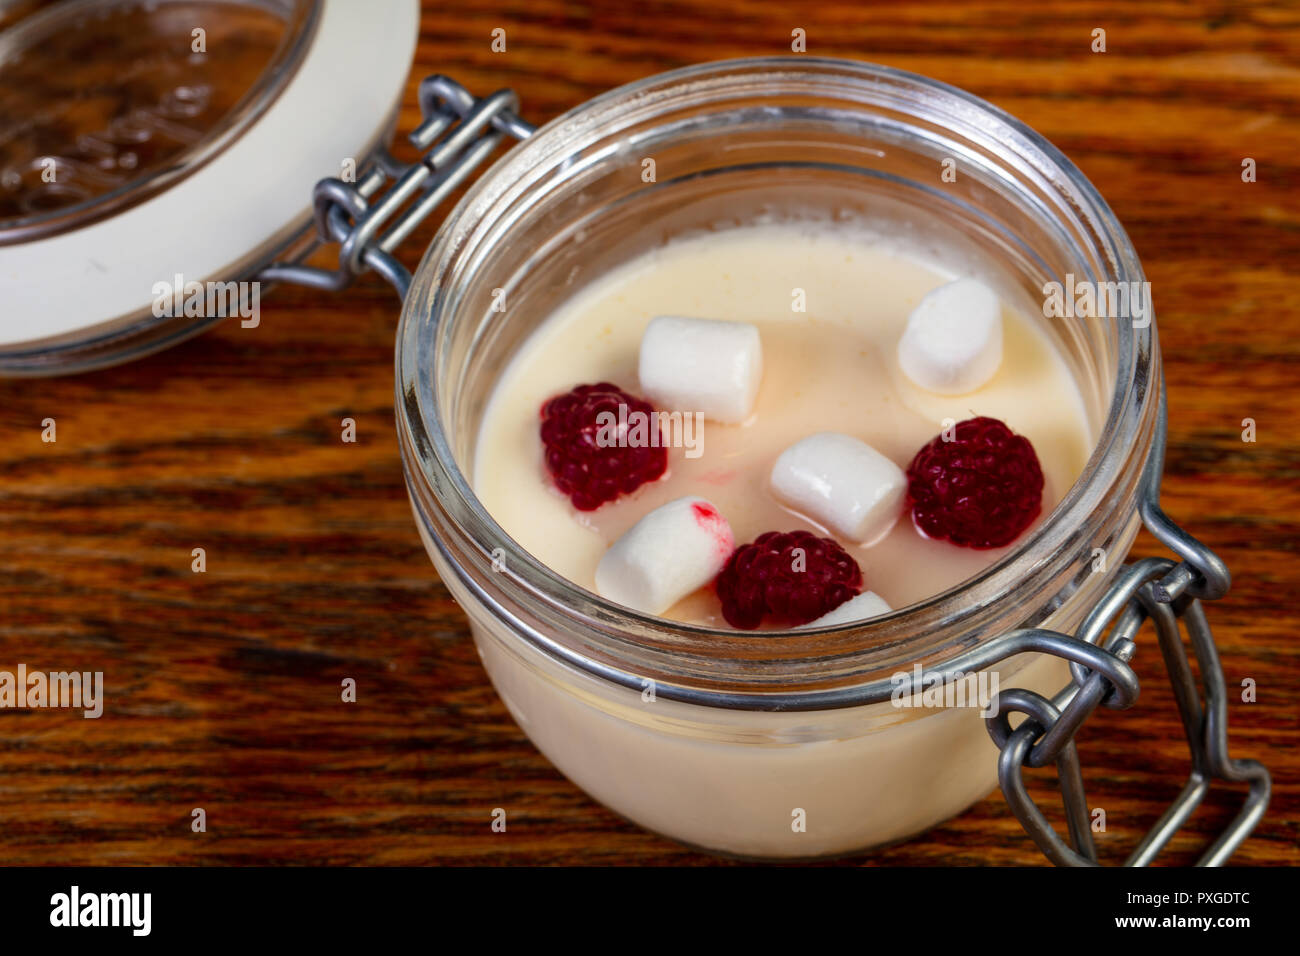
{"type": "Point", "coordinates": [733, 781]}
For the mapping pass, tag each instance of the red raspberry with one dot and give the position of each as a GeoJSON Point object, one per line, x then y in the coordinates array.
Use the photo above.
{"type": "Point", "coordinates": [979, 490]}
{"type": "Point", "coordinates": [584, 470]}
{"type": "Point", "coordinates": [768, 578]}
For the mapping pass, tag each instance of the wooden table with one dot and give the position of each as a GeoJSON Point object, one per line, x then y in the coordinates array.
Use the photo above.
{"type": "Point", "coordinates": [223, 687]}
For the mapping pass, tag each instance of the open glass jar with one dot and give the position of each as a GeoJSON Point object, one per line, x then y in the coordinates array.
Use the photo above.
{"type": "Point", "coordinates": [793, 744]}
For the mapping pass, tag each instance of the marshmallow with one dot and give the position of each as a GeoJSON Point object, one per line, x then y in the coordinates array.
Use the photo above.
{"type": "Point", "coordinates": [841, 482]}
{"type": "Point", "coordinates": [666, 555]}
{"type": "Point", "coordinates": [953, 341]}
{"type": "Point", "coordinates": [859, 608]}
{"type": "Point", "coordinates": [702, 365]}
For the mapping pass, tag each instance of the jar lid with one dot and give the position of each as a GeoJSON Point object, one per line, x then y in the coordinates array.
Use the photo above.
{"type": "Point", "coordinates": [147, 140]}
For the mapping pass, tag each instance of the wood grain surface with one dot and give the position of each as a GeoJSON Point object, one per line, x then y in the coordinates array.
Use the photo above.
{"type": "Point", "coordinates": [223, 688]}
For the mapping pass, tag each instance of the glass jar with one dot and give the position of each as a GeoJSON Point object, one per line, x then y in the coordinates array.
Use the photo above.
{"type": "Point", "coordinates": [780, 744]}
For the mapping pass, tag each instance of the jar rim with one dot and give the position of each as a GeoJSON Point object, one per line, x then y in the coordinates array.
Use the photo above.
{"type": "Point", "coordinates": [617, 632]}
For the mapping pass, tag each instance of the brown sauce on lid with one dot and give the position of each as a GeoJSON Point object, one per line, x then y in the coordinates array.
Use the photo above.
{"type": "Point", "coordinates": [98, 105]}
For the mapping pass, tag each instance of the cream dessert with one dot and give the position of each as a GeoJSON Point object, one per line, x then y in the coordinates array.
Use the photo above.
{"type": "Point", "coordinates": [830, 369]}
{"type": "Point", "coordinates": [832, 307]}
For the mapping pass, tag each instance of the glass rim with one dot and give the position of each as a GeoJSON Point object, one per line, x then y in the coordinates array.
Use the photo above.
{"type": "Point", "coordinates": [1120, 430]}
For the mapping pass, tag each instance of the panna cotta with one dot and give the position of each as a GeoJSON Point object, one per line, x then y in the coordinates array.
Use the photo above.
{"type": "Point", "coordinates": [835, 310]}
{"type": "Point", "coordinates": [830, 305]}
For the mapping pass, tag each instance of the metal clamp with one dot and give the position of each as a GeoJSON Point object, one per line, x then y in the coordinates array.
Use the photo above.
{"type": "Point", "coordinates": [457, 134]}
{"type": "Point", "coordinates": [1167, 593]}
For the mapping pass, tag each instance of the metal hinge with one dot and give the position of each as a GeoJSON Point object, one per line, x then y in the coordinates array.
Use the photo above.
{"type": "Point", "coordinates": [1168, 593]}
{"type": "Point", "coordinates": [457, 134]}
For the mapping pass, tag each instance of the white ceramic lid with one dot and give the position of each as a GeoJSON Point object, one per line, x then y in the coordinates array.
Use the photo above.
{"type": "Point", "coordinates": [208, 203]}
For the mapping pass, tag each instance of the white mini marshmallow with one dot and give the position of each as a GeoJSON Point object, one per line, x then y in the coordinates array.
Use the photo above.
{"type": "Point", "coordinates": [841, 482]}
{"type": "Point", "coordinates": [859, 608]}
{"type": "Point", "coordinates": [666, 555]}
{"type": "Point", "coordinates": [953, 341]}
{"type": "Point", "coordinates": [702, 365]}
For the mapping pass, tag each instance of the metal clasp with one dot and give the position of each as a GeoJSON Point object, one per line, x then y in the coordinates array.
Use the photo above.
{"type": "Point", "coordinates": [457, 134]}
{"type": "Point", "coordinates": [1167, 593]}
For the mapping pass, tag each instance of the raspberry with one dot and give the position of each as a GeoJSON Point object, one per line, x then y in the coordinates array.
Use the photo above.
{"type": "Point", "coordinates": [767, 577]}
{"type": "Point", "coordinates": [584, 470]}
{"type": "Point", "coordinates": [979, 490]}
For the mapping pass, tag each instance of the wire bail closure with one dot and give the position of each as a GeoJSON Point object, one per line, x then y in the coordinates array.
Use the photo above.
{"type": "Point", "coordinates": [367, 232]}
{"type": "Point", "coordinates": [1167, 593]}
